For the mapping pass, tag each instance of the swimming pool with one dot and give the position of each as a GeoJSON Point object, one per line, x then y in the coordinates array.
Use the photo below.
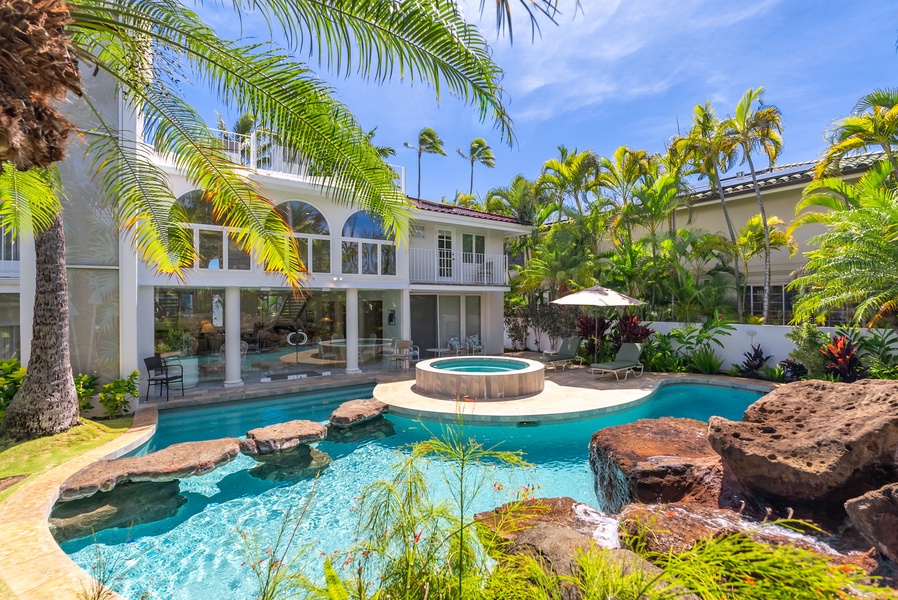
{"type": "Point", "coordinates": [195, 554]}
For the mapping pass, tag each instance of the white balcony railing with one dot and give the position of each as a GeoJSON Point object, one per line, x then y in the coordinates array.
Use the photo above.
{"type": "Point", "coordinates": [260, 151]}
{"type": "Point", "coordinates": [457, 268]}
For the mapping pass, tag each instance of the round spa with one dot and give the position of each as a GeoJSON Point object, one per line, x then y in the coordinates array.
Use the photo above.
{"type": "Point", "coordinates": [479, 377]}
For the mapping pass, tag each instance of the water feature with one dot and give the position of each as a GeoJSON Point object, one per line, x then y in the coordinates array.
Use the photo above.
{"type": "Point", "coordinates": [196, 553]}
{"type": "Point", "coordinates": [479, 377]}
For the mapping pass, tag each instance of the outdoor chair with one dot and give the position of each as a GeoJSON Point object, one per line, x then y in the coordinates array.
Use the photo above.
{"type": "Point", "coordinates": [414, 352]}
{"type": "Point", "coordinates": [401, 354]}
{"type": "Point", "coordinates": [566, 353]}
{"type": "Point", "coordinates": [626, 362]}
{"type": "Point", "coordinates": [161, 374]}
{"type": "Point", "coordinates": [456, 347]}
{"type": "Point", "coordinates": [475, 344]}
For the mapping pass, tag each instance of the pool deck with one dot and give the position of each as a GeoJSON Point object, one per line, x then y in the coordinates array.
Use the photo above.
{"type": "Point", "coordinates": [34, 567]}
{"type": "Point", "coordinates": [569, 395]}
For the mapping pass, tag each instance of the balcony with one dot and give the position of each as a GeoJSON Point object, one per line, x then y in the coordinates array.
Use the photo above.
{"type": "Point", "coordinates": [447, 267]}
{"type": "Point", "coordinates": [261, 152]}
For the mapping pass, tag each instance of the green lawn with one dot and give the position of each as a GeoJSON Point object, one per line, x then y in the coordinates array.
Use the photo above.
{"type": "Point", "coordinates": [40, 455]}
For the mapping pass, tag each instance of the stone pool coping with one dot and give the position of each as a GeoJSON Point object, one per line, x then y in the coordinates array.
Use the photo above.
{"type": "Point", "coordinates": [557, 403]}
{"type": "Point", "coordinates": [32, 564]}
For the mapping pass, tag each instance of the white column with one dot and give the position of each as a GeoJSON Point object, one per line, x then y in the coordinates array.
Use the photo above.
{"type": "Point", "coordinates": [405, 314]}
{"type": "Point", "coordinates": [129, 301]}
{"type": "Point", "coordinates": [233, 358]}
{"type": "Point", "coordinates": [27, 284]}
{"type": "Point", "coordinates": [352, 331]}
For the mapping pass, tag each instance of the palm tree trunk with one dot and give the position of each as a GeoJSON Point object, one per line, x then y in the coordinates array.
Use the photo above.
{"type": "Point", "coordinates": [419, 174]}
{"type": "Point", "coordinates": [46, 402]}
{"type": "Point", "coordinates": [732, 232]}
{"type": "Point", "coordinates": [471, 191]}
{"type": "Point", "coordinates": [754, 180]}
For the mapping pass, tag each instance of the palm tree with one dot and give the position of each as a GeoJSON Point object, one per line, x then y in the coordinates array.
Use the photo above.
{"type": "Point", "coordinates": [528, 203]}
{"type": "Point", "coordinates": [480, 152]}
{"type": "Point", "coordinates": [572, 175]}
{"type": "Point", "coordinates": [382, 151]}
{"type": "Point", "coordinates": [712, 153]}
{"type": "Point", "coordinates": [429, 142]}
{"type": "Point", "coordinates": [873, 122]}
{"type": "Point", "coordinates": [750, 243]}
{"type": "Point", "coordinates": [118, 40]}
{"type": "Point", "coordinates": [755, 130]}
{"type": "Point", "coordinates": [621, 173]}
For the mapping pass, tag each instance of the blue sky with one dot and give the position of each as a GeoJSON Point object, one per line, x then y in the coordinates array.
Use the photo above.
{"type": "Point", "coordinates": [625, 72]}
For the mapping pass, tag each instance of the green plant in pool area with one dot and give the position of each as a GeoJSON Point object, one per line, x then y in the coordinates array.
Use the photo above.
{"type": "Point", "coordinates": [85, 388]}
{"type": "Point", "coordinates": [689, 338]}
{"type": "Point", "coordinates": [795, 370]}
{"type": "Point", "coordinates": [808, 341]}
{"type": "Point", "coordinates": [116, 395]}
{"type": "Point", "coordinates": [879, 346]}
{"type": "Point", "coordinates": [754, 361]}
{"type": "Point", "coordinates": [776, 374]}
{"type": "Point", "coordinates": [842, 360]}
{"type": "Point", "coordinates": [705, 360]}
{"type": "Point", "coordinates": [878, 370]}
{"type": "Point", "coordinates": [11, 374]}
{"type": "Point", "coordinates": [658, 355]}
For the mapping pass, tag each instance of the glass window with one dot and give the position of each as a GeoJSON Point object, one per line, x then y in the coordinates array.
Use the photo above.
{"type": "Point", "coordinates": [304, 218]}
{"type": "Point", "coordinates": [363, 225]}
{"type": "Point", "coordinates": [9, 325]}
{"type": "Point", "coordinates": [211, 247]}
{"type": "Point", "coordinates": [388, 259]}
{"type": "Point", "coordinates": [238, 260]}
{"type": "Point", "coordinates": [321, 256]}
{"type": "Point", "coordinates": [472, 315]}
{"type": "Point", "coordinates": [198, 208]}
{"type": "Point", "coordinates": [350, 257]}
{"type": "Point", "coordinates": [369, 259]}
{"type": "Point", "coordinates": [473, 247]}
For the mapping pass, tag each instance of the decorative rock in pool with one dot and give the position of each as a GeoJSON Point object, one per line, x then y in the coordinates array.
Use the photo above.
{"type": "Point", "coordinates": [356, 412]}
{"type": "Point", "coordinates": [302, 462]}
{"type": "Point", "coordinates": [376, 429]}
{"type": "Point", "coordinates": [175, 462]}
{"type": "Point", "coordinates": [479, 378]}
{"type": "Point", "coordinates": [875, 515]}
{"type": "Point", "coordinates": [282, 436]}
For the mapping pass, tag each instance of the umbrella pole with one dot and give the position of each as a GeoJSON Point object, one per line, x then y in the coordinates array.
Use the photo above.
{"type": "Point", "coordinates": [595, 344]}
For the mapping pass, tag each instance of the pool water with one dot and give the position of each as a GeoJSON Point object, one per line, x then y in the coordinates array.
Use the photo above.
{"type": "Point", "coordinates": [479, 365]}
{"type": "Point", "coordinates": [196, 553]}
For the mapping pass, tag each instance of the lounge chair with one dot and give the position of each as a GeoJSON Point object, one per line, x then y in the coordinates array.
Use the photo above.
{"type": "Point", "coordinates": [567, 352]}
{"type": "Point", "coordinates": [626, 362]}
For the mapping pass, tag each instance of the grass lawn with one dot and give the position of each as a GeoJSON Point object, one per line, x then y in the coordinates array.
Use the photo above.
{"type": "Point", "coordinates": [30, 459]}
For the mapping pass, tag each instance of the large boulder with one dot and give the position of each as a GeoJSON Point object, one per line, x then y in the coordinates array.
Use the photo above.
{"type": "Point", "coordinates": [175, 462]}
{"type": "Point", "coordinates": [812, 445]}
{"type": "Point", "coordinates": [376, 429]}
{"type": "Point", "coordinates": [282, 436]}
{"type": "Point", "coordinates": [554, 547]}
{"type": "Point", "coordinates": [127, 505]}
{"type": "Point", "coordinates": [875, 515]}
{"type": "Point", "coordinates": [655, 460]}
{"type": "Point", "coordinates": [355, 412]}
{"type": "Point", "coordinates": [302, 462]}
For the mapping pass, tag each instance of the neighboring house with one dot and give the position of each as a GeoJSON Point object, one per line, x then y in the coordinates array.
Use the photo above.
{"type": "Point", "coordinates": [231, 322]}
{"type": "Point", "coordinates": [781, 190]}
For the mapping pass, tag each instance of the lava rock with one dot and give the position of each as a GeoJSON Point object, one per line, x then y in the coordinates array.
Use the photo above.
{"type": "Point", "coordinates": [282, 436]}
{"type": "Point", "coordinates": [355, 412]}
{"type": "Point", "coordinates": [175, 462]}
{"type": "Point", "coordinates": [301, 462]}
{"type": "Point", "coordinates": [875, 515]}
{"type": "Point", "coordinates": [375, 429]}
{"type": "Point", "coordinates": [127, 505]}
{"type": "Point", "coordinates": [813, 445]}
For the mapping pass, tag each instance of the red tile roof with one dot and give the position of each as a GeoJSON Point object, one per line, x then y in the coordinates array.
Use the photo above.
{"type": "Point", "coordinates": [452, 209]}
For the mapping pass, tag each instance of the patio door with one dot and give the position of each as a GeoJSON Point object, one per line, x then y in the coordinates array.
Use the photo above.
{"type": "Point", "coordinates": [445, 255]}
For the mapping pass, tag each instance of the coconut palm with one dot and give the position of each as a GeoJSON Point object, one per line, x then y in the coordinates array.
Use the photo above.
{"type": "Point", "coordinates": [712, 154]}
{"type": "Point", "coordinates": [757, 130]}
{"type": "Point", "coordinates": [428, 142]}
{"type": "Point", "coordinates": [873, 123]}
{"type": "Point", "coordinates": [143, 47]}
{"type": "Point", "coordinates": [571, 176]}
{"type": "Point", "coordinates": [528, 203]}
{"type": "Point", "coordinates": [382, 151]}
{"type": "Point", "coordinates": [479, 152]}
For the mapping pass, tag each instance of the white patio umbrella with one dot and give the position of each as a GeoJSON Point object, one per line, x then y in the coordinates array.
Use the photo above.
{"type": "Point", "coordinates": [597, 296]}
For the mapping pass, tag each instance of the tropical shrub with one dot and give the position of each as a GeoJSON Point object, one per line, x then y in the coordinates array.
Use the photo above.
{"type": "Point", "coordinates": [11, 374]}
{"type": "Point", "coordinates": [705, 360]}
{"type": "Point", "coordinates": [594, 330]}
{"type": "Point", "coordinates": [555, 320]}
{"type": "Point", "coordinates": [879, 346]}
{"type": "Point", "coordinates": [808, 341]}
{"type": "Point", "coordinates": [794, 370]}
{"type": "Point", "coordinates": [658, 355]}
{"type": "Point", "coordinates": [517, 324]}
{"type": "Point", "coordinates": [631, 331]}
{"type": "Point", "coordinates": [776, 374]}
{"type": "Point", "coordinates": [691, 339]}
{"type": "Point", "coordinates": [878, 370]}
{"type": "Point", "coordinates": [753, 362]}
{"type": "Point", "coordinates": [85, 388]}
{"type": "Point", "coordinates": [116, 395]}
{"type": "Point", "coordinates": [841, 359]}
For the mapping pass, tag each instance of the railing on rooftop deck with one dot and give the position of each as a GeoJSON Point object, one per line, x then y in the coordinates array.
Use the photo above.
{"type": "Point", "coordinates": [260, 151]}
{"type": "Point", "coordinates": [457, 268]}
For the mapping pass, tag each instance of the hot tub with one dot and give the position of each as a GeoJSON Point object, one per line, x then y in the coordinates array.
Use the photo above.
{"type": "Point", "coordinates": [479, 377]}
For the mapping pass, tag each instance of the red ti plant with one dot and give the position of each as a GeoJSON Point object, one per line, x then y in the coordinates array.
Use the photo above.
{"type": "Point", "coordinates": [842, 360]}
{"type": "Point", "coordinates": [631, 330]}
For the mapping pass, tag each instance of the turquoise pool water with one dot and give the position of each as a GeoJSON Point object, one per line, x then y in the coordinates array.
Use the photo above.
{"type": "Point", "coordinates": [196, 555]}
{"type": "Point", "coordinates": [479, 365]}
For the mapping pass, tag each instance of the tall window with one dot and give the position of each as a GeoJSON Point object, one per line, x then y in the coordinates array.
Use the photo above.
{"type": "Point", "coordinates": [210, 238]}
{"type": "Point", "coordinates": [312, 234]}
{"type": "Point", "coordinates": [473, 247]}
{"type": "Point", "coordinates": [368, 252]}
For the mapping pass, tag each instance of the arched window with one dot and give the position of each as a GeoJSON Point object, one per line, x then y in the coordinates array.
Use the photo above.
{"type": "Point", "coordinates": [367, 257]}
{"type": "Point", "coordinates": [304, 218]}
{"type": "Point", "coordinates": [198, 208]}
{"type": "Point", "coordinates": [312, 234]}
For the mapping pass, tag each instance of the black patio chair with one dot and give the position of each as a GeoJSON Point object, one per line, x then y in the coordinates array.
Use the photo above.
{"type": "Point", "coordinates": [161, 374]}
